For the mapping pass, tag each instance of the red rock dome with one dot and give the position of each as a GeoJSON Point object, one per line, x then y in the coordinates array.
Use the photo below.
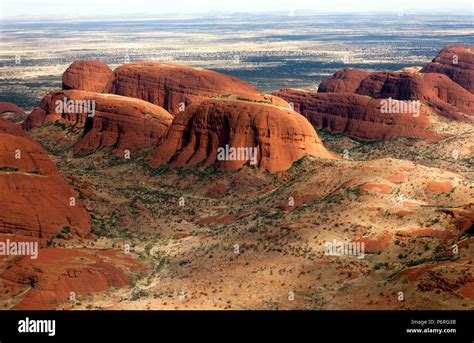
{"type": "Point", "coordinates": [90, 76]}
{"type": "Point", "coordinates": [356, 115]}
{"type": "Point", "coordinates": [457, 62]}
{"type": "Point", "coordinates": [35, 201]}
{"type": "Point", "coordinates": [9, 107]}
{"type": "Point", "coordinates": [279, 135]}
{"type": "Point", "coordinates": [440, 92]}
{"type": "Point", "coordinates": [121, 122]}
{"type": "Point", "coordinates": [344, 80]}
{"type": "Point", "coordinates": [168, 85]}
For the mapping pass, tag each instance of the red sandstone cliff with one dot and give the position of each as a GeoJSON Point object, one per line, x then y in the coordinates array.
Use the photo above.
{"type": "Point", "coordinates": [35, 201]}
{"type": "Point", "coordinates": [280, 136]}
{"type": "Point", "coordinates": [457, 62]}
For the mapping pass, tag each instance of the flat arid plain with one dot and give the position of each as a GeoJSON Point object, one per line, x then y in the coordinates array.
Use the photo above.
{"type": "Point", "coordinates": [272, 51]}
{"type": "Point", "coordinates": [133, 208]}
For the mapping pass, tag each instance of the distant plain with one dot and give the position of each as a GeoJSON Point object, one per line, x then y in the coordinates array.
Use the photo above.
{"type": "Point", "coordinates": [272, 51]}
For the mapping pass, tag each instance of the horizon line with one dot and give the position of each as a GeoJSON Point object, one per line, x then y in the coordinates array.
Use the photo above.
{"type": "Point", "coordinates": [292, 13]}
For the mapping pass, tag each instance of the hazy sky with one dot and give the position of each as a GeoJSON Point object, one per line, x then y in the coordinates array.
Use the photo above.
{"type": "Point", "coordinates": [58, 8]}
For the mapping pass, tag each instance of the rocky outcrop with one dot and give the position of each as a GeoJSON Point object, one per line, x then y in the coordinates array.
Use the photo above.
{"type": "Point", "coordinates": [121, 122]}
{"type": "Point", "coordinates": [62, 276]}
{"type": "Point", "coordinates": [357, 115]}
{"type": "Point", "coordinates": [11, 112]}
{"type": "Point", "coordinates": [90, 76]}
{"type": "Point", "coordinates": [9, 107]}
{"type": "Point", "coordinates": [7, 126]}
{"type": "Point", "coordinates": [124, 123]}
{"type": "Point", "coordinates": [35, 202]}
{"type": "Point", "coordinates": [48, 111]}
{"type": "Point", "coordinates": [207, 133]}
{"type": "Point", "coordinates": [437, 90]}
{"type": "Point", "coordinates": [36, 205]}
{"type": "Point", "coordinates": [344, 80]}
{"type": "Point", "coordinates": [169, 85]}
{"type": "Point", "coordinates": [457, 62]}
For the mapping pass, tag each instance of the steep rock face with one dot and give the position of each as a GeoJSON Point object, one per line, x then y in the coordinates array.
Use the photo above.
{"type": "Point", "coordinates": [437, 90]}
{"type": "Point", "coordinates": [356, 115]}
{"type": "Point", "coordinates": [125, 123]}
{"type": "Point", "coordinates": [457, 62]}
{"type": "Point", "coordinates": [344, 80]}
{"type": "Point", "coordinates": [35, 201]}
{"type": "Point", "coordinates": [46, 113]}
{"type": "Point", "coordinates": [279, 135]}
{"type": "Point", "coordinates": [90, 76]}
{"type": "Point", "coordinates": [168, 85]}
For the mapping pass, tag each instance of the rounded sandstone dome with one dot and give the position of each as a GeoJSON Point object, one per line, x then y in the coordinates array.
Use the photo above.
{"type": "Point", "coordinates": [171, 86]}
{"type": "Point", "coordinates": [90, 76]}
{"type": "Point", "coordinates": [198, 135]}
